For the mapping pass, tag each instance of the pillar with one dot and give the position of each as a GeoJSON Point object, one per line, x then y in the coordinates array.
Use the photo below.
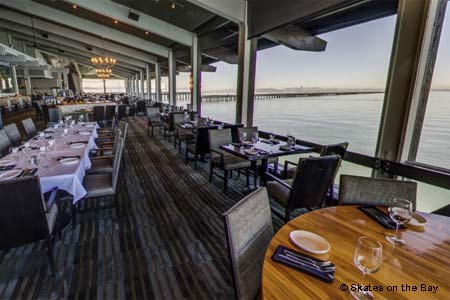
{"type": "Point", "coordinates": [104, 86]}
{"type": "Point", "coordinates": [141, 84]}
{"type": "Point", "coordinates": [14, 79]}
{"type": "Point", "coordinates": [172, 78]}
{"type": "Point", "coordinates": [196, 62]}
{"type": "Point", "coordinates": [411, 20]}
{"type": "Point", "coordinates": [149, 82]}
{"type": "Point", "coordinates": [246, 77]}
{"type": "Point", "coordinates": [158, 83]}
{"type": "Point", "coordinates": [136, 84]}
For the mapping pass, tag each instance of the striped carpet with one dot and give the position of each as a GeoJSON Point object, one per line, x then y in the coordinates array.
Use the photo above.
{"type": "Point", "coordinates": [165, 241]}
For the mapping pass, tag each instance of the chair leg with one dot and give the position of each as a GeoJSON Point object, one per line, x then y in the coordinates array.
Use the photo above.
{"type": "Point", "coordinates": [73, 214]}
{"type": "Point", "coordinates": [239, 173]}
{"type": "Point", "coordinates": [225, 181]}
{"type": "Point", "coordinates": [50, 253]}
{"type": "Point", "coordinates": [247, 175]}
{"type": "Point", "coordinates": [211, 167]}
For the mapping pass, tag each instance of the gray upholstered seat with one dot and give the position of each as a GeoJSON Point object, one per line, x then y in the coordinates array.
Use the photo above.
{"type": "Point", "coordinates": [30, 128]}
{"type": "Point", "coordinates": [101, 165]}
{"type": "Point", "coordinates": [4, 142]}
{"type": "Point", "coordinates": [223, 160]}
{"type": "Point", "coordinates": [249, 231]}
{"type": "Point", "coordinates": [13, 134]}
{"type": "Point", "coordinates": [98, 185]}
{"type": "Point", "coordinates": [279, 192]}
{"type": "Point", "coordinates": [153, 119]}
{"type": "Point", "coordinates": [358, 190]}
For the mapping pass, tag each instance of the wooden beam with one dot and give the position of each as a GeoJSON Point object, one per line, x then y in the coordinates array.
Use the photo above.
{"type": "Point", "coordinates": [296, 38]}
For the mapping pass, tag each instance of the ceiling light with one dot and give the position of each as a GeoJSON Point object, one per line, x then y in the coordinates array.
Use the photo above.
{"type": "Point", "coordinates": [146, 32]}
{"type": "Point", "coordinates": [74, 6]}
{"type": "Point", "coordinates": [173, 5]}
{"type": "Point", "coordinates": [115, 21]}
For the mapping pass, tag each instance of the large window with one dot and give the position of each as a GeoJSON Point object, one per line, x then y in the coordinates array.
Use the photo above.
{"type": "Point", "coordinates": [356, 60]}
{"type": "Point", "coordinates": [96, 85]}
{"type": "Point", "coordinates": [5, 79]}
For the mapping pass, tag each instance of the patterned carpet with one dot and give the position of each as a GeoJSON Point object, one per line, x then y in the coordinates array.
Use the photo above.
{"type": "Point", "coordinates": [165, 241]}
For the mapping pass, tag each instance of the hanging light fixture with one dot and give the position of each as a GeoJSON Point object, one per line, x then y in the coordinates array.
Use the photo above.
{"type": "Point", "coordinates": [103, 73]}
{"type": "Point", "coordinates": [103, 61]}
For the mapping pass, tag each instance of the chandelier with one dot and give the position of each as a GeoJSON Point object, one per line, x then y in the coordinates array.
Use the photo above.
{"type": "Point", "coordinates": [103, 73]}
{"type": "Point", "coordinates": [103, 61]}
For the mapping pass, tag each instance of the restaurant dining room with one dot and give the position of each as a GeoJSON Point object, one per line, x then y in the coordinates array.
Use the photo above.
{"type": "Point", "coordinates": [239, 149]}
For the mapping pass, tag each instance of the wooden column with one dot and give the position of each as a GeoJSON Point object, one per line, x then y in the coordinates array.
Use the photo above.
{"type": "Point", "coordinates": [172, 78]}
{"type": "Point", "coordinates": [411, 19]}
{"type": "Point", "coordinates": [158, 82]}
{"type": "Point", "coordinates": [246, 78]}
{"type": "Point", "coordinates": [14, 79]}
{"type": "Point", "coordinates": [196, 62]}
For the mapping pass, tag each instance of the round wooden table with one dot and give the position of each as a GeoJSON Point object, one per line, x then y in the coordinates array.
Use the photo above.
{"type": "Point", "coordinates": [422, 263]}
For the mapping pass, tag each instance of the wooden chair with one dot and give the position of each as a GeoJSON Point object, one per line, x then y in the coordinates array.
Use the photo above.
{"type": "Point", "coordinates": [309, 187]}
{"type": "Point", "coordinates": [99, 114]}
{"type": "Point", "coordinates": [169, 126]}
{"type": "Point", "coordinates": [224, 160]}
{"type": "Point", "coordinates": [26, 216]}
{"type": "Point", "coordinates": [358, 190]}
{"type": "Point", "coordinates": [110, 113]}
{"type": "Point", "coordinates": [153, 119]}
{"type": "Point", "coordinates": [249, 231]}
{"type": "Point", "coordinates": [102, 163]}
{"type": "Point", "coordinates": [29, 127]}
{"type": "Point", "coordinates": [13, 134]}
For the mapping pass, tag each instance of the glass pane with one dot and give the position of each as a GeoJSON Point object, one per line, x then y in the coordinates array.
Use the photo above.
{"type": "Point", "coordinates": [355, 63]}
{"type": "Point", "coordinates": [434, 147]}
{"type": "Point", "coordinates": [5, 80]}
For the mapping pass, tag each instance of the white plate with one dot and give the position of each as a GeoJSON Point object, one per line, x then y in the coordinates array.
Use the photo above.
{"type": "Point", "coordinates": [251, 152]}
{"type": "Point", "coordinates": [10, 174]}
{"type": "Point", "coordinates": [77, 145]}
{"type": "Point", "coordinates": [285, 147]}
{"type": "Point", "coordinates": [417, 220]}
{"type": "Point", "coordinates": [310, 242]}
{"type": "Point", "coordinates": [248, 143]}
{"type": "Point", "coordinates": [69, 161]}
{"type": "Point", "coordinates": [6, 162]}
{"type": "Point", "coordinates": [84, 133]}
{"type": "Point", "coordinates": [89, 125]}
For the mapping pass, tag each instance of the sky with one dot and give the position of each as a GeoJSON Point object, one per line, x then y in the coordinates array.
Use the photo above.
{"type": "Point", "coordinates": [355, 57]}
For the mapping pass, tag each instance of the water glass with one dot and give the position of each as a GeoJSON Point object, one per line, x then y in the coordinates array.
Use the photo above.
{"type": "Point", "coordinates": [255, 137]}
{"type": "Point", "coordinates": [400, 212]}
{"type": "Point", "coordinates": [368, 258]}
{"type": "Point", "coordinates": [243, 138]}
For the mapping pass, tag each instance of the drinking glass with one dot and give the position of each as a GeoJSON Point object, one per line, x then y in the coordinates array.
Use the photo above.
{"type": "Point", "coordinates": [13, 152]}
{"type": "Point", "coordinates": [368, 258]}
{"type": "Point", "coordinates": [400, 212]}
{"type": "Point", "coordinates": [255, 137]}
{"type": "Point", "coordinates": [243, 138]}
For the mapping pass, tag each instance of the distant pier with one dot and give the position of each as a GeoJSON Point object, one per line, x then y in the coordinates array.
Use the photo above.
{"type": "Point", "coordinates": [184, 96]}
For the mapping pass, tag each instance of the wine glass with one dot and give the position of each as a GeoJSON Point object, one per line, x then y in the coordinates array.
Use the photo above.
{"type": "Point", "coordinates": [255, 138]}
{"type": "Point", "coordinates": [243, 138]}
{"type": "Point", "coordinates": [368, 258]}
{"type": "Point", "coordinates": [400, 212]}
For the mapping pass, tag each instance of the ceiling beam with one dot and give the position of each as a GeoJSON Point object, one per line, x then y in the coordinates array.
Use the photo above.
{"type": "Point", "coordinates": [23, 32]}
{"type": "Point", "coordinates": [296, 38]}
{"type": "Point", "coordinates": [146, 22]}
{"type": "Point", "coordinates": [55, 15]}
{"type": "Point", "coordinates": [233, 10]}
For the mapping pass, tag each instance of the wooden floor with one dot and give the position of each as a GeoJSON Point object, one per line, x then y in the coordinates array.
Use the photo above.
{"type": "Point", "coordinates": [166, 240]}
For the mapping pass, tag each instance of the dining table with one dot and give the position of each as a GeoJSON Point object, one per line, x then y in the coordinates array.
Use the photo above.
{"type": "Point", "coordinates": [47, 153]}
{"type": "Point", "coordinates": [264, 149]}
{"type": "Point", "coordinates": [419, 269]}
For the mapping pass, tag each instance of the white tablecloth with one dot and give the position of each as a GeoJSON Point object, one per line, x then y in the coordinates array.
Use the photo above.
{"type": "Point", "coordinates": [53, 174]}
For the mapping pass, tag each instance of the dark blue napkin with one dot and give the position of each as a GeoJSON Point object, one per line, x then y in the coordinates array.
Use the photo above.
{"type": "Point", "coordinates": [380, 217]}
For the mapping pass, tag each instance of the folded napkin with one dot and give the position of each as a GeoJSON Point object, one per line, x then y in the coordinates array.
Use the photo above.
{"type": "Point", "coordinates": [274, 142]}
{"type": "Point", "coordinates": [49, 131]}
{"type": "Point", "coordinates": [379, 217]}
{"type": "Point", "coordinates": [321, 270]}
{"type": "Point", "coordinates": [7, 168]}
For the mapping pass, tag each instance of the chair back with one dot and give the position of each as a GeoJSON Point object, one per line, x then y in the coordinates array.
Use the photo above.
{"type": "Point", "coordinates": [334, 149]}
{"type": "Point", "coordinates": [141, 106]}
{"type": "Point", "coordinates": [110, 112]}
{"type": "Point", "coordinates": [13, 134]}
{"type": "Point", "coordinates": [249, 229]}
{"type": "Point", "coordinates": [117, 161]}
{"type": "Point", "coordinates": [123, 126]}
{"type": "Point", "coordinates": [4, 142]}
{"type": "Point", "coordinates": [29, 127]}
{"type": "Point", "coordinates": [313, 178]}
{"type": "Point", "coordinates": [152, 111]}
{"type": "Point", "coordinates": [218, 138]}
{"type": "Point", "coordinates": [22, 212]}
{"type": "Point", "coordinates": [53, 115]}
{"type": "Point", "coordinates": [248, 130]}
{"type": "Point", "coordinates": [358, 190]}
{"type": "Point", "coordinates": [45, 115]}
{"type": "Point", "coordinates": [99, 113]}
{"type": "Point", "coordinates": [122, 111]}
